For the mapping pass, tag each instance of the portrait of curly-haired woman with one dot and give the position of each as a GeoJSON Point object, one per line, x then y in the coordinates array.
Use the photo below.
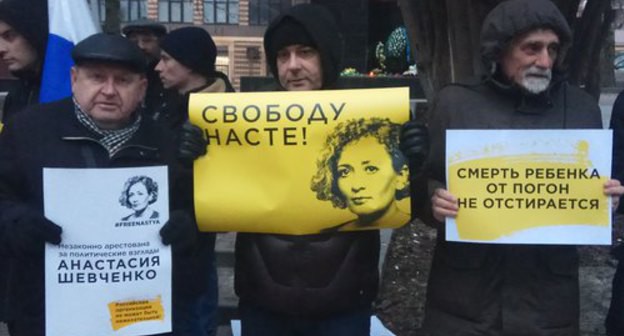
{"type": "Point", "coordinates": [138, 194]}
{"type": "Point", "coordinates": [361, 168]}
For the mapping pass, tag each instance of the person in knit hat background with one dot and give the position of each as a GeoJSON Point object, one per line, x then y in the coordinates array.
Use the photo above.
{"type": "Point", "coordinates": [23, 39]}
{"type": "Point", "coordinates": [187, 65]}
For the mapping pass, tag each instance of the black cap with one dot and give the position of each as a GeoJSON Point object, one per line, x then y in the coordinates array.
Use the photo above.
{"type": "Point", "coordinates": [108, 48]}
{"type": "Point", "coordinates": [144, 25]}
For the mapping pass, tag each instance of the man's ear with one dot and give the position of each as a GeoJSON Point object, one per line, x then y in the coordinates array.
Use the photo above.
{"type": "Point", "coordinates": [73, 74]}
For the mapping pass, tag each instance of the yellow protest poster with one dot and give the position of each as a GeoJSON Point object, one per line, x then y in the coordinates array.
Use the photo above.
{"type": "Point", "coordinates": [301, 162]}
{"type": "Point", "coordinates": [529, 186]}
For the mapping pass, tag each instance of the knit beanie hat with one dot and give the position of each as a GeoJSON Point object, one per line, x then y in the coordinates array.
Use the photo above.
{"type": "Point", "coordinates": [30, 19]}
{"type": "Point", "coordinates": [193, 47]}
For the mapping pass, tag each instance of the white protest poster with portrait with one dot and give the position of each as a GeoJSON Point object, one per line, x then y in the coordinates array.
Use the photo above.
{"type": "Point", "coordinates": [529, 186]}
{"type": "Point", "coordinates": [110, 275]}
{"type": "Point", "coordinates": [301, 162]}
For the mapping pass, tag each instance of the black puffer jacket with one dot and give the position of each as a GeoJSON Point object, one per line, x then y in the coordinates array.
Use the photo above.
{"type": "Point", "coordinates": [309, 275]}
{"type": "Point", "coordinates": [488, 289]}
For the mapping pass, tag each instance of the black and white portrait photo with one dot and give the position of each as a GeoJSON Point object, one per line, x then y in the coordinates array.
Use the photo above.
{"type": "Point", "coordinates": [139, 192]}
{"type": "Point", "coordinates": [362, 169]}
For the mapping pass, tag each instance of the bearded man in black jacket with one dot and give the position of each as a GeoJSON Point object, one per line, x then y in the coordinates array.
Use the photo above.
{"type": "Point", "coordinates": [493, 289]}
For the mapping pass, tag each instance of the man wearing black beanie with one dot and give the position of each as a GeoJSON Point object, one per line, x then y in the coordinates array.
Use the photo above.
{"type": "Point", "coordinates": [23, 38]}
{"type": "Point", "coordinates": [187, 65]}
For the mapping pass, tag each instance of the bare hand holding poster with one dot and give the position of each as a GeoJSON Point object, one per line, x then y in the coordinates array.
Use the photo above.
{"type": "Point", "coordinates": [110, 275]}
{"type": "Point", "coordinates": [529, 186]}
{"type": "Point", "coordinates": [301, 162]}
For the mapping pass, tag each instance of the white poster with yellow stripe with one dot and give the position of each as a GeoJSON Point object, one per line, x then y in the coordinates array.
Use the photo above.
{"type": "Point", "coordinates": [529, 186]}
{"type": "Point", "coordinates": [110, 275]}
{"type": "Point", "coordinates": [301, 162]}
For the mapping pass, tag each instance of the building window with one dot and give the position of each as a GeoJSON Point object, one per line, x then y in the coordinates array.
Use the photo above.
{"type": "Point", "coordinates": [221, 11]}
{"type": "Point", "coordinates": [222, 62]}
{"type": "Point", "coordinates": [262, 11]}
{"type": "Point", "coordinates": [175, 11]}
{"type": "Point", "coordinates": [131, 10]}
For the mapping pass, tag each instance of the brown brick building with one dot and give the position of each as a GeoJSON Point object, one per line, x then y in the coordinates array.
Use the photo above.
{"type": "Point", "coordinates": [237, 26]}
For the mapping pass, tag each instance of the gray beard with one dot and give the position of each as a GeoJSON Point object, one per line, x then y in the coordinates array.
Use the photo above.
{"type": "Point", "coordinates": [536, 84]}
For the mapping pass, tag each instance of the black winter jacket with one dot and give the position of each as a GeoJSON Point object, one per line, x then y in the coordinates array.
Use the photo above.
{"type": "Point", "coordinates": [50, 135]}
{"type": "Point", "coordinates": [23, 94]}
{"type": "Point", "coordinates": [488, 289]}
{"type": "Point", "coordinates": [309, 275]}
{"type": "Point", "coordinates": [617, 125]}
{"type": "Point", "coordinates": [511, 290]}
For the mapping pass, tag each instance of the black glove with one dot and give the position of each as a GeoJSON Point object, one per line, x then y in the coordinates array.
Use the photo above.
{"type": "Point", "coordinates": [191, 142]}
{"type": "Point", "coordinates": [27, 231]}
{"type": "Point", "coordinates": [180, 232]}
{"type": "Point", "coordinates": [414, 143]}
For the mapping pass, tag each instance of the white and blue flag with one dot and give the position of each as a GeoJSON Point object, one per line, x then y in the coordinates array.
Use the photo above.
{"type": "Point", "coordinates": [70, 22]}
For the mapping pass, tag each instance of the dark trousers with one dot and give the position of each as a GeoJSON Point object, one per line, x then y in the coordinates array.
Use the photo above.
{"type": "Point", "coordinates": [615, 317]}
{"type": "Point", "coordinates": [195, 312]}
{"type": "Point", "coordinates": [256, 321]}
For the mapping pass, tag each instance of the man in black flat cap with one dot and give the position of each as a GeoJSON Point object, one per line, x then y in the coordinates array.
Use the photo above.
{"type": "Point", "coordinates": [147, 34]}
{"type": "Point", "coordinates": [99, 127]}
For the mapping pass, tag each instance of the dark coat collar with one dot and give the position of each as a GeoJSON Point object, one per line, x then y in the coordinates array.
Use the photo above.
{"type": "Point", "coordinates": [525, 102]}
